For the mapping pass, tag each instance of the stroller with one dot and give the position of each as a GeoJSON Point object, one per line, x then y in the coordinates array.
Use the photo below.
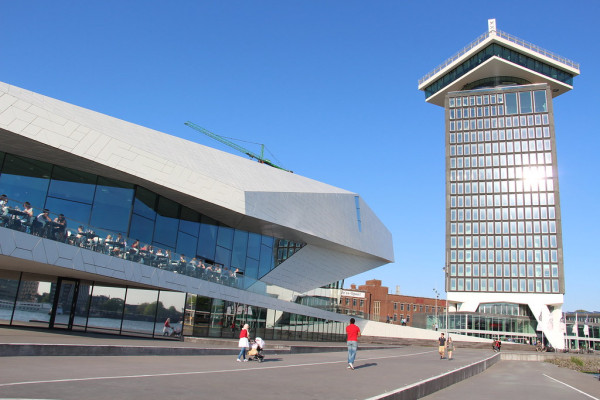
{"type": "Point", "coordinates": [256, 350]}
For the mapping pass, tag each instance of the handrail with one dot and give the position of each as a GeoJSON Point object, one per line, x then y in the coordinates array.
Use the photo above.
{"type": "Point", "coordinates": [510, 38]}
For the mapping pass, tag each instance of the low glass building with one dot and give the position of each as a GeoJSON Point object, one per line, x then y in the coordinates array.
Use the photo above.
{"type": "Point", "coordinates": [109, 226]}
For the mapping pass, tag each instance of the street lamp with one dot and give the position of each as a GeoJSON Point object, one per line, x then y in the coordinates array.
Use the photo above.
{"type": "Point", "coordinates": [446, 272]}
{"type": "Point", "coordinates": [437, 295]}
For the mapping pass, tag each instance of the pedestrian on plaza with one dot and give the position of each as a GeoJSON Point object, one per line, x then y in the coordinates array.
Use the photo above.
{"type": "Point", "coordinates": [353, 333]}
{"type": "Point", "coordinates": [450, 347]}
{"type": "Point", "coordinates": [442, 345]}
{"type": "Point", "coordinates": [243, 344]}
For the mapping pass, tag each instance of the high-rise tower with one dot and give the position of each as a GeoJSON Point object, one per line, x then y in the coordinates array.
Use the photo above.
{"type": "Point", "coordinates": [503, 226]}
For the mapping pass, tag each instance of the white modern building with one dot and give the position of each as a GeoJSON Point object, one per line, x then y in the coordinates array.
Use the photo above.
{"type": "Point", "coordinates": [504, 268]}
{"type": "Point", "coordinates": [199, 235]}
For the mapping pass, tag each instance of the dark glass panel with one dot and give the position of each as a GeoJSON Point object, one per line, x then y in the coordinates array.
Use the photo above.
{"type": "Point", "coordinates": [106, 309]}
{"type": "Point", "coordinates": [70, 184]}
{"type": "Point", "coordinates": [24, 179]}
{"type": "Point", "coordinates": [186, 244]}
{"type": "Point", "coordinates": [9, 282]}
{"type": "Point", "coordinates": [207, 240]}
{"type": "Point", "coordinates": [141, 228]}
{"type": "Point", "coordinates": [140, 311]}
{"type": "Point", "coordinates": [112, 205]}
{"type": "Point", "coordinates": [82, 305]}
{"type": "Point", "coordinates": [189, 221]}
{"type": "Point", "coordinates": [525, 102]}
{"type": "Point", "coordinates": [34, 301]}
{"type": "Point", "coordinates": [266, 263]}
{"type": "Point", "coordinates": [511, 103]}
{"type": "Point", "coordinates": [144, 203]}
{"type": "Point", "coordinates": [225, 237]}
{"type": "Point", "coordinates": [170, 305]}
{"type": "Point", "coordinates": [223, 256]}
{"type": "Point", "coordinates": [251, 268]}
{"type": "Point", "coordinates": [76, 213]}
{"type": "Point", "coordinates": [240, 244]}
{"type": "Point", "coordinates": [540, 101]}
{"type": "Point", "coordinates": [167, 222]}
{"type": "Point", "coordinates": [254, 245]}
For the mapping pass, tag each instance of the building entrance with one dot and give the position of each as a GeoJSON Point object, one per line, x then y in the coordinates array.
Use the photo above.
{"type": "Point", "coordinates": [64, 304]}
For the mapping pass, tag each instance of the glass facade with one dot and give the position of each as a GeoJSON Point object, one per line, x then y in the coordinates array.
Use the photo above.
{"type": "Point", "coordinates": [170, 235]}
{"type": "Point", "coordinates": [50, 302]}
{"type": "Point", "coordinates": [504, 53]}
{"type": "Point", "coordinates": [124, 220]}
{"type": "Point", "coordinates": [503, 211]}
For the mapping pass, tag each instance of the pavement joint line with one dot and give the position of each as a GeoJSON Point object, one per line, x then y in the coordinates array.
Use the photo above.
{"type": "Point", "coordinates": [96, 378]}
{"type": "Point", "coordinates": [433, 378]}
{"type": "Point", "coordinates": [571, 387]}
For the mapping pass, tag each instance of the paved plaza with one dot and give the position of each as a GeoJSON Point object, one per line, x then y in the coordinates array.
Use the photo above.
{"type": "Point", "coordinates": [380, 373]}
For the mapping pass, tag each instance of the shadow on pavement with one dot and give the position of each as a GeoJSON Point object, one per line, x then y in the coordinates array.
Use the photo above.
{"type": "Point", "coordinates": [365, 365]}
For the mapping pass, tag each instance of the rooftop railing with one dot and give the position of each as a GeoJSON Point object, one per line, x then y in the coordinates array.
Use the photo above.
{"type": "Point", "coordinates": [506, 36]}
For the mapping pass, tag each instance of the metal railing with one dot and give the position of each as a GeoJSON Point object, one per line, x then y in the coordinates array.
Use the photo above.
{"type": "Point", "coordinates": [107, 242]}
{"type": "Point", "coordinates": [510, 38]}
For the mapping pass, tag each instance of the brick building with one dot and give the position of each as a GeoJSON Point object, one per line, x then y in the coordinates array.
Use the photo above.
{"type": "Point", "coordinates": [373, 301]}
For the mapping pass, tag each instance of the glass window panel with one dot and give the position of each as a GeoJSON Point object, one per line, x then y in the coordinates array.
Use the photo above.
{"type": "Point", "coordinates": [254, 240]}
{"type": "Point", "coordinates": [539, 97]}
{"type": "Point", "coordinates": [34, 301]}
{"type": "Point", "coordinates": [240, 245]}
{"type": "Point", "coordinates": [145, 202]}
{"type": "Point", "coordinates": [189, 221]}
{"type": "Point", "coordinates": [207, 241]}
{"type": "Point", "coordinates": [167, 222]}
{"type": "Point", "coordinates": [9, 282]}
{"type": "Point", "coordinates": [112, 205]}
{"type": "Point", "coordinates": [251, 268]}
{"type": "Point", "coordinates": [266, 263]}
{"type": "Point", "coordinates": [70, 184]}
{"type": "Point", "coordinates": [511, 103]}
{"type": "Point", "coordinates": [141, 229]}
{"type": "Point", "coordinates": [186, 244]}
{"type": "Point", "coordinates": [24, 179]}
{"type": "Point", "coordinates": [225, 237]}
{"type": "Point", "coordinates": [525, 102]}
{"type": "Point", "coordinates": [140, 311]}
{"type": "Point", "coordinates": [76, 213]}
{"type": "Point", "coordinates": [106, 308]}
{"type": "Point", "coordinates": [170, 305]}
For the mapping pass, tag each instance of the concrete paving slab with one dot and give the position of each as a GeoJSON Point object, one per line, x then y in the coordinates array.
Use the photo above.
{"type": "Point", "coordinates": [524, 380]}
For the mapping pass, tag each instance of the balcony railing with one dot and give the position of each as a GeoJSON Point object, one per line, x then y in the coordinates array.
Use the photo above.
{"type": "Point", "coordinates": [34, 221]}
{"type": "Point", "coordinates": [506, 36]}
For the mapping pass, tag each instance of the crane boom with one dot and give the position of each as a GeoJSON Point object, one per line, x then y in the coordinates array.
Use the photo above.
{"type": "Point", "coordinates": [260, 158]}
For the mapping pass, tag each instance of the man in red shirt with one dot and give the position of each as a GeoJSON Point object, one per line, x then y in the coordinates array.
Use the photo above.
{"type": "Point", "coordinates": [353, 333]}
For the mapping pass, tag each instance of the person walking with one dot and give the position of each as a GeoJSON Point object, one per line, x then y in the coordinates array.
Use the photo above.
{"type": "Point", "coordinates": [450, 347]}
{"type": "Point", "coordinates": [442, 345]}
{"type": "Point", "coordinates": [352, 333]}
{"type": "Point", "coordinates": [243, 343]}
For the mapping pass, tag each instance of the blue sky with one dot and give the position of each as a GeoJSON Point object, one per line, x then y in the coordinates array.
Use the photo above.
{"type": "Point", "coordinates": [329, 86]}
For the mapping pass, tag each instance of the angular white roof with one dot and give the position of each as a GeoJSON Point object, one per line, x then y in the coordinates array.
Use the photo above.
{"type": "Point", "coordinates": [239, 192]}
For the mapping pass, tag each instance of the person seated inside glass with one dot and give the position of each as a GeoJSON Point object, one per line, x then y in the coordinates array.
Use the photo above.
{"type": "Point", "coordinates": [42, 223]}
{"type": "Point", "coordinates": [59, 228]}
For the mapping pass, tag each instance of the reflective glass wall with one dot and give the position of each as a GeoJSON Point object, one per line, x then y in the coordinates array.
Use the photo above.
{"type": "Point", "coordinates": [503, 212]}
{"type": "Point", "coordinates": [106, 207]}
{"type": "Point", "coordinates": [42, 301]}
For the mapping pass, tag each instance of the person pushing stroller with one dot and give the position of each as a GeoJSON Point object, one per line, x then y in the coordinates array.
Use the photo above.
{"type": "Point", "coordinates": [256, 352]}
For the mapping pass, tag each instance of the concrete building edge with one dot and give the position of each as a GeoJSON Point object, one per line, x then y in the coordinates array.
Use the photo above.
{"type": "Point", "coordinates": [439, 382]}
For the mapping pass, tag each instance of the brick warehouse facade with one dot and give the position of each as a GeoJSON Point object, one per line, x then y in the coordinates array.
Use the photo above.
{"type": "Point", "coordinates": [373, 301]}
